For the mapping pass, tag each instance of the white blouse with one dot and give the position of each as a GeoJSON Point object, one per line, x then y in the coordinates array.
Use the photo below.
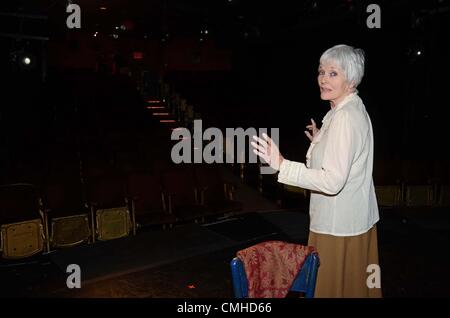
{"type": "Point", "coordinates": [338, 172]}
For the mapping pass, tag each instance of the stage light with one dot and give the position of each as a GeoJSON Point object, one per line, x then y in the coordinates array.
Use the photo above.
{"type": "Point", "coordinates": [23, 59]}
{"type": "Point", "coordinates": [416, 53]}
{"type": "Point", "coordinates": [26, 60]}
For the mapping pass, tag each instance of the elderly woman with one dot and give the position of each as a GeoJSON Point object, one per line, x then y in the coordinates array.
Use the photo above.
{"type": "Point", "coordinates": [338, 171]}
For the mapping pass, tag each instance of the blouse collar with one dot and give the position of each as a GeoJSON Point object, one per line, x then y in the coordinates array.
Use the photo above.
{"type": "Point", "coordinates": [347, 98]}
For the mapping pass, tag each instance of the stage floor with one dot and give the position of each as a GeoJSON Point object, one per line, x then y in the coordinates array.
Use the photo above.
{"type": "Point", "coordinates": [192, 261]}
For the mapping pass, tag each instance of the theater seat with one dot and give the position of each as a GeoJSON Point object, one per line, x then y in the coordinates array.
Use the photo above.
{"type": "Point", "coordinates": [22, 221]}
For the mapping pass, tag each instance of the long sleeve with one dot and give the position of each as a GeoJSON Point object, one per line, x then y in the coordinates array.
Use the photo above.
{"type": "Point", "coordinates": [336, 165]}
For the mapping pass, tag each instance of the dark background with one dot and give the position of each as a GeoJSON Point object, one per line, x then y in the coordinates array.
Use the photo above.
{"type": "Point", "coordinates": [256, 67]}
{"type": "Point", "coordinates": [76, 120]}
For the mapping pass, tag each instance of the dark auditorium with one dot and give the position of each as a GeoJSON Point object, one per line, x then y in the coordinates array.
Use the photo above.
{"type": "Point", "coordinates": [224, 150]}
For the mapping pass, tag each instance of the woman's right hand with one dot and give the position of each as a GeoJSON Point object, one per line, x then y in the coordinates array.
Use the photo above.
{"type": "Point", "coordinates": [314, 130]}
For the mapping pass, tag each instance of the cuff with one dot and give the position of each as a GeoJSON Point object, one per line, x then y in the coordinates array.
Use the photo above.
{"type": "Point", "coordinates": [284, 169]}
{"type": "Point", "coordinates": [290, 172]}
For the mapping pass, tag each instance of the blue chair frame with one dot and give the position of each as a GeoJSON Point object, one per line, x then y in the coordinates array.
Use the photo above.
{"type": "Point", "coordinates": [304, 283]}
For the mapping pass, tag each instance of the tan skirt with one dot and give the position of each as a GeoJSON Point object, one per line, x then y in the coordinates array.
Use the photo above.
{"type": "Point", "coordinates": [343, 264]}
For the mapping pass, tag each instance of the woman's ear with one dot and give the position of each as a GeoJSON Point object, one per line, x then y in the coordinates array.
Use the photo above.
{"type": "Point", "coordinates": [352, 86]}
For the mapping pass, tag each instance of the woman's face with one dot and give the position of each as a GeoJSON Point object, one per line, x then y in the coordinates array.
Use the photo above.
{"type": "Point", "coordinates": [332, 82]}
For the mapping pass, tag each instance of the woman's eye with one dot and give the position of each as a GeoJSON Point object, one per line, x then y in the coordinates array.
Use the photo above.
{"type": "Point", "coordinates": [321, 72]}
{"type": "Point", "coordinates": [333, 74]}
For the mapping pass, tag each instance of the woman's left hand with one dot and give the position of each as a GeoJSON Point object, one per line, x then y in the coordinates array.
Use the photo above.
{"type": "Point", "coordinates": [314, 130]}
{"type": "Point", "coordinates": [267, 150]}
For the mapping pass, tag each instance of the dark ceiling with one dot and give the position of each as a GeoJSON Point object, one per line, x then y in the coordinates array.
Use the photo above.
{"type": "Point", "coordinates": [227, 21]}
{"type": "Point", "coordinates": [250, 19]}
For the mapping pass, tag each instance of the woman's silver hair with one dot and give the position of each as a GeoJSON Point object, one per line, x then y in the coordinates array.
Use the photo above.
{"type": "Point", "coordinates": [349, 59]}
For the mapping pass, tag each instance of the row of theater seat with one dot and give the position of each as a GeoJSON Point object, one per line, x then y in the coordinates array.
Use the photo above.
{"type": "Point", "coordinates": [394, 195]}
{"type": "Point", "coordinates": [84, 184]}
{"type": "Point", "coordinates": [67, 211]}
{"type": "Point", "coordinates": [103, 182]}
{"type": "Point", "coordinates": [404, 185]}
{"type": "Point", "coordinates": [412, 182]}
{"type": "Point", "coordinates": [417, 195]}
